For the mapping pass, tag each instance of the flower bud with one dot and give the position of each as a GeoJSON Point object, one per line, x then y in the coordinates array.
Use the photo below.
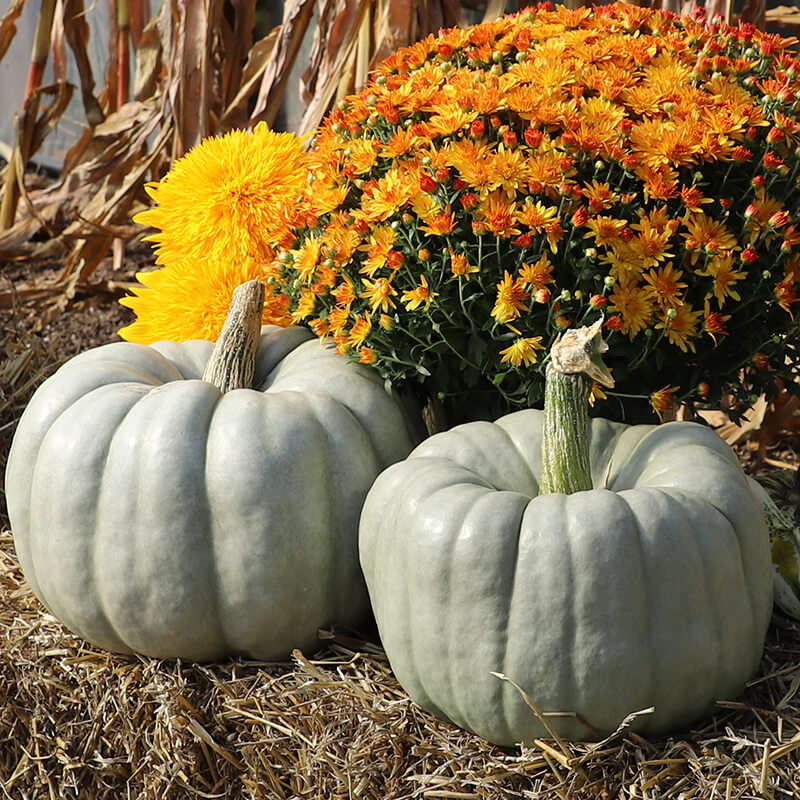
{"type": "Point", "coordinates": [541, 296]}
{"type": "Point", "coordinates": [427, 183]}
{"type": "Point", "coordinates": [779, 219]}
{"type": "Point", "coordinates": [533, 137]}
{"type": "Point", "coordinates": [580, 217]}
{"type": "Point", "coordinates": [749, 255]}
{"type": "Point", "coordinates": [597, 301]}
{"type": "Point", "coordinates": [613, 323]}
{"type": "Point", "coordinates": [775, 135]}
{"type": "Point", "coordinates": [562, 322]}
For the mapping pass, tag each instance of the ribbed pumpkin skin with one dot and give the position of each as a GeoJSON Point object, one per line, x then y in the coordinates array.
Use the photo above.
{"type": "Point", "coordinates": [654, 591]}
{"type": "Point", "coordinates": [153, 514]}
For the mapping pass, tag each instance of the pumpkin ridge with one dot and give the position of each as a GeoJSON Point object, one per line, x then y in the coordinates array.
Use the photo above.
{"type": "Point", "coordinates": [101, 403]}
{"type": "Point", "coordinates": [700, 609]}
{"type": "Point", "coordinates": [710, 597]}
{"type": "Point", "coordinates": [647, 579]}
{"type": "Point", "coordinates": [130, 357]}
{"type": "Point", "coordinates": [102, 489]}
{"type": "Point", "coordinates": [317, 404]}
{"type": "Point", "coordinates": [164, 578]}
{"type": "Point", "coordinates": [720, 463]}
{"type": "Point", "coordinates": [484, 506]}
{"type": "Point", "coordinates": [505, 696]}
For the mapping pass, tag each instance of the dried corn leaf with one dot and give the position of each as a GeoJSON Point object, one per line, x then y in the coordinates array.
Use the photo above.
{"type": "Point", "coordinates": [76, 31]}
{"type": "Point", "coordinates": [755, 12]}
{"type": "Point", "coordinates": [334, 47]}
{"type": "Point", "coordinates": [150, 52]}
{"type": "Point", "coordinates": [8, 26]}
{"type": "Point", "coordinates": [190, 91]}
{"type": "Point", "coordinates": [494, 10]}
{"type": "Point", "coordinates": [397, 27]}
{"type": "Point", "coordinates": [236, 47]}
{"type": "Point", "coordinates": [788, 16]}
{"type": "Point", "coordinates": [296, 18]}
{"type": "Point", "coordinates": [235, 115]}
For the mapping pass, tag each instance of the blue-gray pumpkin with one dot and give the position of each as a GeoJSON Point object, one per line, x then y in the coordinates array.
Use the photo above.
{"type": "Point", "coordinates": [152, 512]}
{"type": "Point", "coordinates": [650, 589]}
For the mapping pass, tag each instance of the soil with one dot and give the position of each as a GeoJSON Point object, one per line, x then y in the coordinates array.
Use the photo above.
{"type": "Point", "coordinates": [35, 339]}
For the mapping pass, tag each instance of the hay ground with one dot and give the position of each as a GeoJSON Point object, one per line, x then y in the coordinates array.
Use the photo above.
{"type": "Point", "coordinates": [77, 722]}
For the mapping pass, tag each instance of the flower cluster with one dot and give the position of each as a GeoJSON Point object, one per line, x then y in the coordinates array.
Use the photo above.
{"type": "Point", "coordinates": [219, 214]}
{"type": "Point", "coordinates": [497, 184]}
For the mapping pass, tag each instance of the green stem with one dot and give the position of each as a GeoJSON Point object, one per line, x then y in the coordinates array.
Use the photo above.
{"type": "Point", "coordinates": [575, 361]}
{"type": "Point", "coordinates": [565, 441]}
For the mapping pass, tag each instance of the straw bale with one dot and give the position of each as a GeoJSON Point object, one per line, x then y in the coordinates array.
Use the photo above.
{"type": "Point", "coordinates": [77, 722]}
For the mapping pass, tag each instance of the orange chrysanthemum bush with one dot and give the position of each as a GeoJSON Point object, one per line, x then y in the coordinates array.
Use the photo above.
{"type": "Point", "coordinates": [497, 184]}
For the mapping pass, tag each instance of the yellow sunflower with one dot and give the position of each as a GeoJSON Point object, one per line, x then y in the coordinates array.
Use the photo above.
{"type": "Point", "coordinates": [227, 196]}
{"type": "Point", "coordinates": [189, 300]}
{"type": "Point", "coordinates": [219, 212]}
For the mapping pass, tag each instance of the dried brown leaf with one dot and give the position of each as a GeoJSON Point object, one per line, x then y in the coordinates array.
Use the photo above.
{"type": "Point", "coordinates": [396, 27]}
{"type": "Point", "coordinates": [235, 114]}
{"type": "Point", "coordinates": [236, 42]}
{"type": "Point", "coordinates": [8, 27]}
{"type": "Point", "coordinates": [190, 92]}
{"type": "Point", "coordinates": [755, 12]}
{"type": "Point", "coordinates": [333, 58]}
{"type": "Point", "coordinates": [76, 31]}
{"type": "Point", "coordinates": [51, 113]}
{"type": "Point", "coordinates": [149, 52]}
{"type": "Point", "coordinates": [494, 10]}
{"type": "Point", "coordinates": [718, 8]}
{"type": "Point", "coordinates": [296, 18]}
{"type": "Point", "coordinates": [783, 15]}
{"type": "Point", "coordinates": [58, 49]}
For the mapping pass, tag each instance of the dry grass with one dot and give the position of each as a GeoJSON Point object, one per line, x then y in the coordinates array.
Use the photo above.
{"type": "Point", "coordinates": [79, 722]}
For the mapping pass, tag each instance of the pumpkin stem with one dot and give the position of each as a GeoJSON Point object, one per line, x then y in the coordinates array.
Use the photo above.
{"type": "Point", "coordinates": [575, 361]}
{"type": "Point", "coordinates": [233, 359]}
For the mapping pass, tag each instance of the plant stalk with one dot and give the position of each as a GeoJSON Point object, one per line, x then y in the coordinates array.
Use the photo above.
{"type": "Point", "coordinates": [30, 104]}
{"type": "Point", "coordinates": [574, 363]}
{"type": "Point", "coordinates": [233, 359]}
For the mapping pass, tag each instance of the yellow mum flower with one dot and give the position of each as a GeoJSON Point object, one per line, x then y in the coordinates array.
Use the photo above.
{"type": "Point", "coordinates": [523, 351]}
{"type": "Point", "coordinates": [228, 196]}
{"type": "Point", "coordinates": [663, 400]}
{"type": "Point", "coordinates": [511, 295]}
{"type": "Point", "coordinates": [680, 326]}
{"type": "Point", "coordinates": [379, 293]}
{"type": "Point", "coordinates": [635, 307]}
{"type": "Point", "coordinates": [419, 296]}
{"type": "Point", "coordinates": [189, 300]}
